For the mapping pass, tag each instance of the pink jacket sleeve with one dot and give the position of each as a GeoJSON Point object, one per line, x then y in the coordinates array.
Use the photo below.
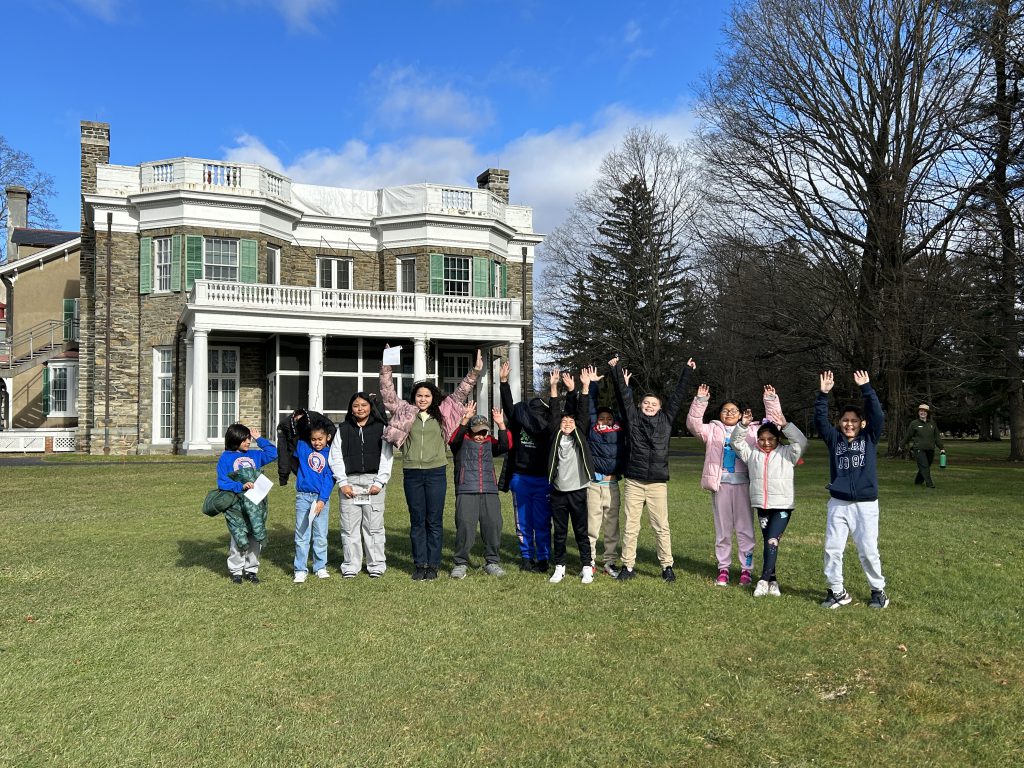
{"type": "Point", "coordinates": [454, 406]}
{"type": "Point", "coordinates": [695, 419]}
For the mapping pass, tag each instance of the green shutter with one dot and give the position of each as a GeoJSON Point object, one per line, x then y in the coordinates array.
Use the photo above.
{"type": "Point", "coordinates": [175, 262]}
{"type": "Point", "coordinates": [70, 305]}
{"type": "Point", "coordinates": [481, 276]}
{"type": "Point", "coordinates": [247, 261]}
{"type": "Point", "coordinates": [437, 273]}
{"type": "Point", "coordinates": [146, 265]}
{"type": "Point", "coordinates": [504, 281]}
{"type": "Point", "coordinates": [46, 390]}
{"type": "Point", "coordinates": [193, 260]}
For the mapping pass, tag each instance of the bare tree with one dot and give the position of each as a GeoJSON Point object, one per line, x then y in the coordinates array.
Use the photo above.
{"type": "Point", "coordinates": [17, 168]}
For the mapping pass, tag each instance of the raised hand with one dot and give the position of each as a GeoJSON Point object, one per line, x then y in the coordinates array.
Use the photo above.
{"type": "Point", "coordinates": [506, 369]}
{"type": "Point", "coordinates": [568, 381]}
{"type": "Point", "coordinates": [827, 382]}
{"type": "Point", "coordinates": [861, 378]}
{"type": "Point", "coordinates": [479, 361]}
{"type": "Point", "coordinates": [470, 410]}
{"type": "Point", "coordinates": [614, 361]}
{"type": "Point", "coordinates": [747, 417]}
{"type": "Point", "coordinates": [692, 364]}
{"type": "Point", "coordinates": [626, 376]}
{"type": "Point", "coordinates": [585, 376]}
{"type": "Point", "coordinates": [593, 373]}
{"type": "Point", "coordinates": [769, 391]}
{"type": "Point", "coordinates": [553, 382]}
{"type": "Point", "coordinates": [255, 433]}
{"type": "Point", "coordinates": [499, 417]}
{"type": "Point", "coordinates": [704, 391]}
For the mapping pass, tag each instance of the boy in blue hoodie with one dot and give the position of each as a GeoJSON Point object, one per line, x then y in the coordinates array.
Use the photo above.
{"type": "Point", "coordinates": [853, 486]}
{"type": "Point", "coordinates": [313, 485]}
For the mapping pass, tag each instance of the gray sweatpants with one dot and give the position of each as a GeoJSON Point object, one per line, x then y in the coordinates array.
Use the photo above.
{"type": "Point", "coordinates": [362, 524]}
{"type": "Point", "coordinates": [470, 509]}
{"type": "Point", "coordinates": [859, 519]}
{"type": "Point", "coordinates": [244, 562]}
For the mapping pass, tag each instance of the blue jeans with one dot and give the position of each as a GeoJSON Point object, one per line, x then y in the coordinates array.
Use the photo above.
{"type": "Point", "coordinates": [532, 498]}
{"type": "Point", "coordinates": [425, 490]}
{"type": "Point", "coordinates": [303, 504]}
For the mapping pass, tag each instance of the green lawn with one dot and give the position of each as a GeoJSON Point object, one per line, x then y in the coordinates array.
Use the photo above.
{"type": "Point", "coordinates": [122, 642]}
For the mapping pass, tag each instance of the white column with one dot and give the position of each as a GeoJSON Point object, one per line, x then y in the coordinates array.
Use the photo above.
{"type": "Point", "coordinates": [515, 378]}
{"type": "Point", "coordinates": [483, 388]}
{"type": "Point", "coordinates": [495, 388]}
{"type": "Point", "coordinates": [419, 359]}
{"type": "Point", "coordinates": [199, 440]}
{"type": "Point", "coordinates": [189, 363]}
{"type": "Point", "coordinates": [316, 372]}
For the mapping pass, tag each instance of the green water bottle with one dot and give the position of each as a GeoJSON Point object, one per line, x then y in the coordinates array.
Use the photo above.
{"type": "Point", "coordinates": [942, 460]}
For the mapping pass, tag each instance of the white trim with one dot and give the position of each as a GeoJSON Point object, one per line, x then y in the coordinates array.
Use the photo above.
{"type": "Point", "coordinates": [400, 285]}
{"type": "Point", "coordinates": [235, 377]}
{"type": "Point", "coordinates": [336, 263]}
{"type": "Point", "coordinates": [274, 261]}
{"type": "Point", "coordinates": [165, 239]}
{"type": "Point", "coordinates": [25, 263]}
{"type": "Point", "coordinates": [156, 438]}
{"type": "Point", "coordinates": [71, 394]}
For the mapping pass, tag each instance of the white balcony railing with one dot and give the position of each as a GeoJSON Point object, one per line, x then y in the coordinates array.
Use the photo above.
{"type": "Point", "coordinates": [192, 173]}
{"type": "Point", "coordinates": [259, 297]}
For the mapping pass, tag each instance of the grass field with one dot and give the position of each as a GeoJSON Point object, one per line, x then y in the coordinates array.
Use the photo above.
{"type": "Point", "coordinates": [123, 643]}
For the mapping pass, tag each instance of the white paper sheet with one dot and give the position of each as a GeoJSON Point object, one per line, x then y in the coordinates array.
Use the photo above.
{"type": "Point", "coordinates": [260, 489]}
{"type": "Point", "coordinates": [393, 356]}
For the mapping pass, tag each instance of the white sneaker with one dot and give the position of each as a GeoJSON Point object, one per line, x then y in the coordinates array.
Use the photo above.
{"type": "Point", "coordinates": [558, 575]}
{"type": "Point", "coordinates": [588, 574]}
{"type": "Point", "coordinates": [611, 570]}
{"type": "Point", "coordinates": [773, 589]}
{"type": "Point", "coordinates": [300, 577]}
{"type": "Point", "coordinates": [761, 589]}
{"type": "Point", "coordinates": [323, 574]}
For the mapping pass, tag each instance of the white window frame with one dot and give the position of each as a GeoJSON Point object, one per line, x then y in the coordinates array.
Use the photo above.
{"type": "Point", "coordinates": [210, 376]}
{"type": "Point", "coordinates": [338, 265]}
{"type": "Point", "coordinates": [401, 281]}
{"type": "Point", "coordinates": [451, 282]}
{"type": "Point", "coordinates": [71, 393]}
{"type": "Point", "coordinates": [274, 264]}
{"type": "Point", "coordinates": [159, 378]}
{"type": "Point", "coordinates": [232, 243]}
{"type": "Point", "coordinates": [162, 264]}
{"type": "Point", "coordinates": [450, 383]}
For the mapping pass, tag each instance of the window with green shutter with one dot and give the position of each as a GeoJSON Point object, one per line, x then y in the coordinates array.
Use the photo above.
{"type": "Point", "coordinates": [193, 260]}
{"type": "Point", "coordinates": [437, 273]}
{"type": "Point", "coordinates": [175, 262]}
{"type": "Point", "coordinates": [504, 281]}
{"type": "Point", "coordinates": [146, 265]}
{"type": "Point", "coordinates": [70, 319]}
{"type": "Point", "coordinates": [481, 276]}
{"type": "Point", "coordinates": [247, 266]}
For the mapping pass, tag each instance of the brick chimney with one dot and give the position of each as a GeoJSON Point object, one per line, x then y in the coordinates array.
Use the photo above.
{"type": "Point", "coordinates": [496, 180]}
{"type": "Point", "coordinates": [17, 215]}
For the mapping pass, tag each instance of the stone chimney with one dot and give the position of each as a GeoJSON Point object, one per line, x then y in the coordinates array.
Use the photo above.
{"type": "Point", "coordinates": [496, 180]}
{"type": "Point", "coordinates": [95, 151]}
{"type": "Point", "coordinates": [17, 216]}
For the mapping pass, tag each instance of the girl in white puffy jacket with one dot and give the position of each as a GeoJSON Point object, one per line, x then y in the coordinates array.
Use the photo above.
{"type": "Point", "coordinates": [770, 469]}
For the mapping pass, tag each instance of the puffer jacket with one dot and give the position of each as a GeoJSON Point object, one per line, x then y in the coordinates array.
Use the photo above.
{"type": "Point", "coordinates": [403, 413]}
{"type": "Point", "coordinates": [607, 445]}
{"type": "Point", "coordinates": [715, 433]}
{"type": "Point", "coordinates": [649, 436]}
{"type": "Point", "coordinates": [528, 423]}
{"type": "Point", "coordinates": [474, 462]}
{"type": "Point", "coordinates": [771, 472]}
{"type": "Point", "coordinates": [246, 520]}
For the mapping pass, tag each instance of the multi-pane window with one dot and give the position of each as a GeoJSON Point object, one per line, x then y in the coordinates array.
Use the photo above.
{"type": "Point", "coordinates": [162, 263]}
{"type": "Point", "coordinates": [163, 406]}
{"type": "Point", "coordinates": [454, 367]}
{"type": "Point", "coordinates": [220, 259]}
{"type": "Point", "coordinates": [273, 265]}
{"type": "Point", "coordinates": [457, 276]}
{"type": "Point", "coordinates": [407, 275]}
{"type": "Point", "coordinates": [334, 273]}
{"type": "Point", "coordinates": [222, 402]}
{"type": "Point", "coordinates": [63, 389]}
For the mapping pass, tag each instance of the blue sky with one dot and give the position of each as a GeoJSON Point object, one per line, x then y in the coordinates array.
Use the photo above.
{"type": "Point", "coordinates": [356, 94]}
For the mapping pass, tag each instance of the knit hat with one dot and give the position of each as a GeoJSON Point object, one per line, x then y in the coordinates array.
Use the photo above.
{"type": "Point", "coordinates": [478, 424]}
{"type": "Point", "coordinates": [923, 407]}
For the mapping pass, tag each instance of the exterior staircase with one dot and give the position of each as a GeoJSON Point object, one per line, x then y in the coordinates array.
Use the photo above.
{"type": "Point", "coordinates": [36, 345]}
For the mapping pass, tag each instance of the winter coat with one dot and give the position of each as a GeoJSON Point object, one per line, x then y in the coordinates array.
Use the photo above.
{"type": "Point", "coordinates": [474, 462]}
{"type": "Point", "coordinates": [649, 436]}
{"type": "Point", "coordinates": [852, 464]}
{"type": "Point", "coordinates": [289, 431]}
{"type": "Point", "coordinates": [577, 407]}
{"type": "Point", "coordinates": [608, 445]}
{"type": "Point", "coordinates": [528, 423]}
{"type": "Point", "coordinates": [246, 520]}
{"type": "Point", "coordinates": [771, 472]}
{"type": "Point", "coordinates": [404, 413]}
{"type": "Point", "coordinates": [362, 450]}
{"type": "Point", "coordinates": [924, 436]}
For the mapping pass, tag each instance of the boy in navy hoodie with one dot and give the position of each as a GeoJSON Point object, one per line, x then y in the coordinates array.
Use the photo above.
{"type": "Point", "coordinates": [853, 486]}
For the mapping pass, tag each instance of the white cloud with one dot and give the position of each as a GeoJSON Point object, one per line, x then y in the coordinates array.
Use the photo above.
{"type": "Point", "coordinates": [632, 32]}
{"type": "Point", "coordinates": [107, 10]}
{"type": "Point", "coordinates": [299, 14]}
{"type": "Point", "coordinates": [547, 170]}
{"type": "Point", "coordinates": [406, 97]}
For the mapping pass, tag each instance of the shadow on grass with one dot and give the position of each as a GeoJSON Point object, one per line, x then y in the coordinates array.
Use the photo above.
{"type": "Point", "coordinates": [211, 554]}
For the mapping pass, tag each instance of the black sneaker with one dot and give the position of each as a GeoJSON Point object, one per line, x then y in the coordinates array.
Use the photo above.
{"type": "Point", "coordinates": [430, 573]}
{"type": "Point", "coordinates": [527, 565]}
{"type": "Point", "coordinates": [878, 599]}
{"type": "Point", "coordinates": [668, 574]}
{"type": "Point", "coordinates": [832, 600]}
{"type": "Point", "coordinates": [236, 578]}
{"type": "Point", "coordinates": [542, 566]}
{"type": "Point", "coordinates": [252, 578]}
{"type": "Point", "coordinates": [625, 574]}
{"type": "Point", "coordinates": [420, 573]}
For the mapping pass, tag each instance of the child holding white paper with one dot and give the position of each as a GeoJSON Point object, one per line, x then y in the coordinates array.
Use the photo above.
{"type": "Point", "coordinates": [313, 486]}
{"type": "Point", "coordinates": [237, 456]}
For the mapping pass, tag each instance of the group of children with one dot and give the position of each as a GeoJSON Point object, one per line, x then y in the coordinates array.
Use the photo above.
{"type": "Point", "coordinates": [564, 462]}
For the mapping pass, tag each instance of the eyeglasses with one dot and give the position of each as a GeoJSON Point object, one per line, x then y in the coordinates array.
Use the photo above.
{"type": "Point", "coordinates": [730, 411]}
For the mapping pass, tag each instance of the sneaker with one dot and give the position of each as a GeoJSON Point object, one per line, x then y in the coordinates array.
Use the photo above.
{"type": "Point", "coordinates": [611, 570]}
{"type": "Point", "coordinates": [558, 575]}
{"type": "Point", "coordinates": [542, 566]}
{"type": "Point", "coordinates": [878, 599]}
{"type": "Point", "coordinates": [493, 569]}
{"type": "Point", "coordinates": [744, 578]}
{"type": "Point", "coordinates": [323, 574]}
{"type": "Point", "coordinates": [587, 577]}
{"type": "Point", "coordinates": [773, 589]}
{"type": "Point", "coordinates": [833, 600]}
{"type": "Point", "coordinates": [761, 588]}
{"type": "Point", "coordinates": [723, 578]}
{"type": "Point", "coordinates": [458, 572]}
{"type": "Point", "coordinates": [344, 575]}
{"type": "Point", "coordinates": [376, 574]}
{"type": "Point", "coordinates": [252, 578]}
{"type": "Point", "coordinates": [300, 577]}
{"type": "Point", "coordinates": [668, 574]}
{"type": "Point", "coordinates": [430, 573]}
{"type": "Point", "coordinates": [420, 573]}
{"type": "Point", "coordinates": [527, 565]}
{"type": "Point", "coordinates": [625, 574]}
{"type": "Point", "coordinates": [236, 578]}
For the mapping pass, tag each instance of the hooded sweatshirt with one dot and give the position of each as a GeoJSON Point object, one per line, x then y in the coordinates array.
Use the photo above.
{"type": "Point", "coordinates": [852, 464]}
